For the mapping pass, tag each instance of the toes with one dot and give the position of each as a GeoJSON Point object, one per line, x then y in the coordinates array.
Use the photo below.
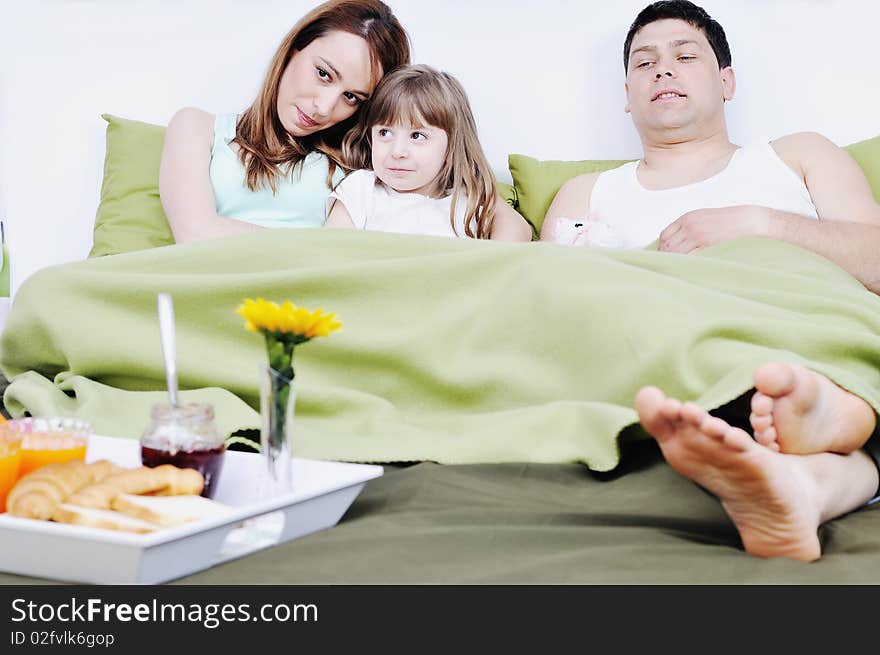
{"type": "Point", "coordinates": [762, 404]}
{"type": "Point", "coordinates": [648, 399]}
{"type": "Point", "coordinates": [693, 414]}
{"type": "Point", "coordinates": [767, 437]}
{"type": "Point", "coordinates": [670, 409]}
{"type": "Point", "coordinates": [714, 427]}
{"type": "Point", "coordinates": [775, 379]}
{"type": "Point", "coordinates": [649, 402]}
{"type": "Point", "coordinates": [760, 422]}
{"type": "Point", "coordinates": [737, 439]}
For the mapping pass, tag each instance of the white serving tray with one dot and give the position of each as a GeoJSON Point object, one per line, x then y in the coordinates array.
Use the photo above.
{"type": "Point", "coordinates": [322, 492]}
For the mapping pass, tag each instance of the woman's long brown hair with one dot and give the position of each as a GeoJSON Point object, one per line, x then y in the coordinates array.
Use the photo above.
{"type": "Point", "coordinates": [266, 150]}
{"type": "Point", "coordinates": [422, 96]}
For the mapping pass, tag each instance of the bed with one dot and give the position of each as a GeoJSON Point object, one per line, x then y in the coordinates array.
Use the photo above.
{"type": "Point", "coordinates": [511, 450]}
{"type": "Point", "coordinates": [537, 524]}
{"type": "Point", "coordinates": [502, 407]}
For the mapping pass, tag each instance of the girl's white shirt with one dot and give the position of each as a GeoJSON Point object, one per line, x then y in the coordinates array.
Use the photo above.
{"type": "Point", "coordinates": [374, 206]}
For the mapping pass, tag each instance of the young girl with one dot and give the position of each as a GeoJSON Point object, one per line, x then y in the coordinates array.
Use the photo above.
{"type": "Point", "coordinates": [422, 168]}
{"type": "Point", "coordinates": [275, 164]}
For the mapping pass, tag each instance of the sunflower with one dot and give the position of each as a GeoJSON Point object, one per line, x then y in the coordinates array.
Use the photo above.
{"type": "Point", "coordinates": [287, 322]}
{"type": "Point", "coordinates": [283, 327]}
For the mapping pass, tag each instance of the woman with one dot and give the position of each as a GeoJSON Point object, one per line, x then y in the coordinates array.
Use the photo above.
{"type": "Point", "coordinates": [274, 165]}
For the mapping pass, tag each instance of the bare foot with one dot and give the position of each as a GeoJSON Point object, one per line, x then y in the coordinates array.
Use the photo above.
{"type": "Point", "coordinates": [796, 410]}
{"type": "Point", "coordinates": [770, 497]}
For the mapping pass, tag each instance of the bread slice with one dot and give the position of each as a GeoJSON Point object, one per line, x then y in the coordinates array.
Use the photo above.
{"type": "Point", "coordinates": [101, 518]}
{"type": "Point", "coordinates": [169, 510]}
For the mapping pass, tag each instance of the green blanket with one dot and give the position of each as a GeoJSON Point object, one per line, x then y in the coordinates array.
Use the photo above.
{"type": "Point", "coordinates": [453, 351]}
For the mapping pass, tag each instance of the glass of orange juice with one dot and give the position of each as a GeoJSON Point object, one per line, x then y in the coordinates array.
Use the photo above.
{"type": "Point", "coordinates": [48, 440]}
{"type": "Point", "coordinates": [10, 459]}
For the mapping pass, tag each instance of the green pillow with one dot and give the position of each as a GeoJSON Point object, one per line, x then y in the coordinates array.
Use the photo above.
{"type": "Point", "coordinates": [536, 182]}
{"type": "Point", "coordinates": [507, 193]}
{"type": "Point", "coordinates": [130, 215]}
{"type": "Point", "coordinates": [867, 155]}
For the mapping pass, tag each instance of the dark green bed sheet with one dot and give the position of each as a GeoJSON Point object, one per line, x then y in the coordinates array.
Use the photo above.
{"type": "Point", "coordinates": [542, 524]}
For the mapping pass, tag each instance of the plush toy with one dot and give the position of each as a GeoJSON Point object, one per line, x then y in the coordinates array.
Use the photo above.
{"type": "Point", "coordinates": [589, 231]}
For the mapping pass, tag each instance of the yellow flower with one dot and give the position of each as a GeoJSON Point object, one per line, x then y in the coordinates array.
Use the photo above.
{"type": "Point", "coordinates": [287, 319]}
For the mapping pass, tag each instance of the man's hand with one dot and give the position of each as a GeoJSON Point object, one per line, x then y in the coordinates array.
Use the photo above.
{"type": "Point", "coordinates": [705, 227]}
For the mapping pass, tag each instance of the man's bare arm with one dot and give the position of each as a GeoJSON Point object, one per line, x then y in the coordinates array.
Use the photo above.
{"type": "Point", "coordinates": [855, 247]}
{"type": "Point", "coordinates": [848, 232]}
{"type": "Point", "coordinates": [571, 201]}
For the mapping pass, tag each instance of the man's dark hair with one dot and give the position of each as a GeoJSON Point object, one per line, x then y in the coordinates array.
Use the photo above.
{"type": "Point", "coordinates": [688, 12]}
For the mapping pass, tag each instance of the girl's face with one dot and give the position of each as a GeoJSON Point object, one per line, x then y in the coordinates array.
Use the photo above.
{"type": "Point", "coordinates": [324, 83]}
{"type": "Point", "coordinates": [408, 158]}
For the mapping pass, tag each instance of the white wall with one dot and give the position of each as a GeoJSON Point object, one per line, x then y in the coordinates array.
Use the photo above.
{"type": "Point", "coordinates": [545, 78]}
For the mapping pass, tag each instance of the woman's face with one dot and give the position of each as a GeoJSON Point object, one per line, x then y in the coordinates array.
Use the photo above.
{"type": "Point", "coordinates": [324, 83]}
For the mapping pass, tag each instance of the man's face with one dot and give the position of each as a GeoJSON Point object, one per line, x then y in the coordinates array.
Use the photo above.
{"type": "Point", "coordinates": [672, 81]}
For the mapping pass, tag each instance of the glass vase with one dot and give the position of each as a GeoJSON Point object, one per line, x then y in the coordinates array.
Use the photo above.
{"type": "Point", "coordinates": [277, 409]}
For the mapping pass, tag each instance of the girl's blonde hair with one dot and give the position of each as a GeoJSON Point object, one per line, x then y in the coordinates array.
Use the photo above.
{"type": "Point", "coordinates": [423, 96]}
{"type": "Point", "coordinates": [266, 150]}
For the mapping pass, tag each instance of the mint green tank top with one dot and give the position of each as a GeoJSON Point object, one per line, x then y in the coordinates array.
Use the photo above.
{"type": "Point", "coordinates": [301, 196]}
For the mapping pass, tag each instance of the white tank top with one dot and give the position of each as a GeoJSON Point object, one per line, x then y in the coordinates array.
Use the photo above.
{"type": "Point", "coordinates": [755, 175]}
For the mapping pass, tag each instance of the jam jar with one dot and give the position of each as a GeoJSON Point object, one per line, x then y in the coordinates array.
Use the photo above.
{"type": "Point", "coordinates": [186, 437]}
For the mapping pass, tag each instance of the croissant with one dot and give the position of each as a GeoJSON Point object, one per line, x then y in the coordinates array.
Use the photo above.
{"type": "Point", "coordinates": [39, 493]}
{"type": "Point", "coordinates": [164, 480]}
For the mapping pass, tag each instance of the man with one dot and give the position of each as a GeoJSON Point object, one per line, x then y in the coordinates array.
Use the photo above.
{"type": "Point", "coordinates": [810, 459]}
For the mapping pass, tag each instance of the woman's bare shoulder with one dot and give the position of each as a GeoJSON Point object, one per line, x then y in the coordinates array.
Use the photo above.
{"type": "Point", "coordinates": [192, 118]}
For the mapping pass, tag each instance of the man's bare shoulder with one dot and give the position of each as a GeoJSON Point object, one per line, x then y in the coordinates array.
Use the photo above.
{"type": "Point", "coordinates": [801, 145]}
{"type": "Point", "coordinates": [577, 191]}
{"type": "Point", "coordinates": [580, 184]}
{"type": "Point", "coordinates": [802, 149]}
{"type": "Point", "coordinates": [572, 199]}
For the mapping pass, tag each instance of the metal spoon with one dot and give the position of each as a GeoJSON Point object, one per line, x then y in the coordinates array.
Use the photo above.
{"type": "Point", "coordinates": [166, 332]}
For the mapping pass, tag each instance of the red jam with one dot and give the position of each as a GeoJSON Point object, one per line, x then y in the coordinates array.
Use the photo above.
{"type": "Point", "coordinates": [208, 462]}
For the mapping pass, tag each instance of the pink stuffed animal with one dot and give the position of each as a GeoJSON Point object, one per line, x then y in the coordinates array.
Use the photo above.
{"type": "Point", "coordinates": [590, 232]}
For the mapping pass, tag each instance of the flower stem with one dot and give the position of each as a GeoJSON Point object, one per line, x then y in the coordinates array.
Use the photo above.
{"type": "Point", "coordinates": [280, 353]}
